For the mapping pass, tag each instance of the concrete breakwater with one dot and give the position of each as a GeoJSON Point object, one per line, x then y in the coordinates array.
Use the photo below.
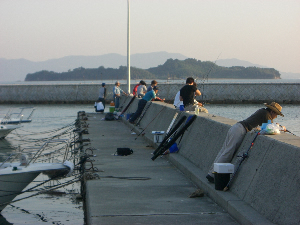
{"type": "Point", "coordinates": [211, 93]}
{"type": "Point", "coordinates": [266, 188]}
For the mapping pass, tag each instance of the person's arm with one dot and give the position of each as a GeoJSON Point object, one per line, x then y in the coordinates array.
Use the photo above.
{"type": "Point", "coordinates": [158, 99]}
{"type": "Point", "coordinates": [197, 93]}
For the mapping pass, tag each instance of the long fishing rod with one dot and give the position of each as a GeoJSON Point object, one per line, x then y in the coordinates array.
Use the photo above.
{"type": "Point", "coordinates": [208, 75]}
{"type": "Point", "coordinates": [142, 114]}
{"type": "Point", "coordinates": [244, 156]}
{"type": "Point", "coordinates": [151, 121]}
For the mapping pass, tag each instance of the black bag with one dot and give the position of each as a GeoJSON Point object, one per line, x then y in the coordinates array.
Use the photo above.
{"type": "Point", "coordinates": [124, 151]}
{"type": "Point", "coordinates": [109, 116]}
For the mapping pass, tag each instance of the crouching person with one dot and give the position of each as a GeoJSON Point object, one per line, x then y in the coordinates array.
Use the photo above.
{"type": "Point", "coordinates": [142, 103]}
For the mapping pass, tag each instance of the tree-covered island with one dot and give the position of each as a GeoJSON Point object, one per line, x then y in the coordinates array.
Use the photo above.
{"type": "Point", "coordinates": [172, 68]}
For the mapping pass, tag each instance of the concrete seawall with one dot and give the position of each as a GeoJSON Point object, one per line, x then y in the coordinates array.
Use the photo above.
{"type": "Point", "coordinates": [267, 184]}
{"type": "Point", "coordinates": [211, 92]}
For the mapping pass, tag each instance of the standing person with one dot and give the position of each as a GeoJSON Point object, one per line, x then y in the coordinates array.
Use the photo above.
{"type": "Point", "coordinates": [142, 103]}
{"type": "Point", "coordinates": [142, 89]}
{"type": "Point", "coordinates": [238, 131]}
{"type": "Point", "coordinates": [117, 94]}
{"type": "Point", "coordinates": [102, 94]}
{"type": "Point", "coordinates": [153, 83]}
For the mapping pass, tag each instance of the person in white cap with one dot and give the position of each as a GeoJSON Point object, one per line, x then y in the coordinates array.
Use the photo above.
{"type": "Point", "coordinates": [238, 131]}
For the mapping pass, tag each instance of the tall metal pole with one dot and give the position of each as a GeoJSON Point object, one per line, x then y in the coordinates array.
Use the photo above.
{"type": "Point", "coordinates": [128, 49]}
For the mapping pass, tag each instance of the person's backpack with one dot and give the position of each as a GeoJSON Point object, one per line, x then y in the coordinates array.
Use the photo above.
{"type": "Point", "coordinates": [109, 116]}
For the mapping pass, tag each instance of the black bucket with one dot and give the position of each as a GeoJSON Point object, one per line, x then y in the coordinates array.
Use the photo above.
{"type": "Point", "coordinates": [221, 180]}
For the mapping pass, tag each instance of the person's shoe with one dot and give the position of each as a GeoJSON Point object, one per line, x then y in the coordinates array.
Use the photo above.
{"type": "Point", "coordinates": [210, 178]}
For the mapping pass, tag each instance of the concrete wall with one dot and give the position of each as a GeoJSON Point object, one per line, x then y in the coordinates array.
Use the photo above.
{"type": "Point", "coordinates": [267, 184]}
{"type": "Point", "coordinates": [213, 93]}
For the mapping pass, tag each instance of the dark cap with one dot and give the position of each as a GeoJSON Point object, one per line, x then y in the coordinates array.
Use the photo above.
{"type": "Point", "coordinates": [103, 84]}
{"type": "Point", "coordinates": [155, 88]}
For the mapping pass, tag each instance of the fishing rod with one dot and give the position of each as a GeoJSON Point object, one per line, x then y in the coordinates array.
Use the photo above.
{"type": "Point", "coordinates": [286, 130]}
{"type": "Point", "coordinates": [170, 133]}
{"type": "Point", "coordinates": [168, 144]}
{"type": "Point", "coordinates": [244, 156]}
{"type": "Point", "coordinates": [290, 132]}
{"type": "Point", "coordinates": [143, 114]}
{"type": "Point", "coordinates": [151, 121]}
{"type": "Point", "coordinates": [125, 109]}
{"type": "Point", "coordinates": [208, 75]}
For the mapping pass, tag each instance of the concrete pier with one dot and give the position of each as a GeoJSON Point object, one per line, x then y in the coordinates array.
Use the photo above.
{"type": "Point", "coordinates": [135, 189]}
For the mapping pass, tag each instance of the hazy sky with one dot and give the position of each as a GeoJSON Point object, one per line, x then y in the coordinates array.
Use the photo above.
{"type": "Point", "coordinates": [265, 32]}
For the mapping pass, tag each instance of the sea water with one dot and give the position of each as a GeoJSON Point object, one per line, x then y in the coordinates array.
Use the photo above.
{"type": "Point", "coordinates": [62, 206]}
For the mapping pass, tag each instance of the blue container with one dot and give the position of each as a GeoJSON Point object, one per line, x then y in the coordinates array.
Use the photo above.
{"type": "Point", "coordinates": [181, 108]}
{"type": "Point", "coordinates": [173, 148]}
{"type": "Point", "coordinates": [128, 115]}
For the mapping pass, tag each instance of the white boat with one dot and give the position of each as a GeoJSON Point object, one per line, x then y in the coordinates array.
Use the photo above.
{"type": "Point", "coordinates": [6, 129]}
{"type": "Point", "coordinates": [17, 117]}
{"type": "Point", "coordinates": [15, 177]}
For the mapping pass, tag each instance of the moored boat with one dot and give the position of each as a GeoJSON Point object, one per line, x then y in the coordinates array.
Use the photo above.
{"type": "Point", "coordinates": [6, 129]}
{"type": "Point", "coordinates": [15, 177]}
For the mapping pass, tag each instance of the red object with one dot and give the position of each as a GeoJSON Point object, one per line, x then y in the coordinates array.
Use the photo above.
{"type": "Point", "coordinates": [135, 89]}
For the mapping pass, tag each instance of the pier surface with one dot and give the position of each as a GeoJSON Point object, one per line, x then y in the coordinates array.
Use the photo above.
{"type": "Point", "coordinates": [134, 189]}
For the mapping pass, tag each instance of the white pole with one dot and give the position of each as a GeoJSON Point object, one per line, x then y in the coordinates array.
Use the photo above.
{"type": "Point", "coordinates": [128, 49]}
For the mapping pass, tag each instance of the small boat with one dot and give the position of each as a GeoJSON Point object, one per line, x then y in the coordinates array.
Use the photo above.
{"type": "Point", "coordinates": [17, 117]}
{"type": "Point", "coordinates": [15, 177]}
{"type": "Point", "coordinates": [6, 129]}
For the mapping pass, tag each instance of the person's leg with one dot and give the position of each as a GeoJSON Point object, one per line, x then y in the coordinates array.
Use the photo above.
{"type": "Point", "coordinates": [117, 102]}
{"type": "Point", "coordinates": [190, 108]}
{"type": "Point", "coordinates": [141, 105]}
{"type": "Point", "coordinates": [232, 142]}
{"type": "Point", "coordinates": [103, 102]}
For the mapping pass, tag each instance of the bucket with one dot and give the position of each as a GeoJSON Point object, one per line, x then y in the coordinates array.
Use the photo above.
{"type": "Point", "coordinates": [221, 180]}
{"type": "Point", "coordinates": [111, 109]}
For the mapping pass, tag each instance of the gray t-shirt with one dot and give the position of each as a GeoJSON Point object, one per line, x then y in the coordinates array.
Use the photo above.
{"type": "Point", "coordinates": [257, 119]}
{"type": "Point", "coordinates": [102, 92]}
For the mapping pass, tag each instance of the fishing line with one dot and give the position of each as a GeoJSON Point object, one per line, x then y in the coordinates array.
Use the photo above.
{"type": "Point", "coordinates": [213, 65]}
{"type": "Point", "coordinates": [151, 121]}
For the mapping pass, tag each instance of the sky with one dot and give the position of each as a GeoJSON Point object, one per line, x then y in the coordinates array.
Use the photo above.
{"type": "Point", "coordinates": [264, 32]}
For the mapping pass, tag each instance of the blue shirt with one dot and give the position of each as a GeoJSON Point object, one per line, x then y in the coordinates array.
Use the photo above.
{"type": "Point", "coordinates": [149, 96]}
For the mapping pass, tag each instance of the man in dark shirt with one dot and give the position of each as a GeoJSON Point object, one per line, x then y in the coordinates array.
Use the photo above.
{"type": "Point", "coordinates": [188, 92]}
{"type": "Point", "coordinates": [238, 131]}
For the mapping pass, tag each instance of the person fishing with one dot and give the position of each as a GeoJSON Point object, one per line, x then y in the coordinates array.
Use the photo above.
{"type": "Point", "coordinates": [117, 94]}
{"type": "Point", "coordinates": [142, 89]}
{"type": "Point", "coordinates": [142, 103]}
{"type": "Point", "coordinates": [187, 96]}
{"type": "Point", "coordinates": [237, 132]}
{"type": "Point", "coordinates": [102, 95]}
{"type": "Point", "coordinates": [153, 83]}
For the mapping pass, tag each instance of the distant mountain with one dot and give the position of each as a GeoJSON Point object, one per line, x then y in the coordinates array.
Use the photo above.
{"type": "Point", "coordinates": [17, 69]}
{"type": "Point", "coordinates": [237, 62]}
